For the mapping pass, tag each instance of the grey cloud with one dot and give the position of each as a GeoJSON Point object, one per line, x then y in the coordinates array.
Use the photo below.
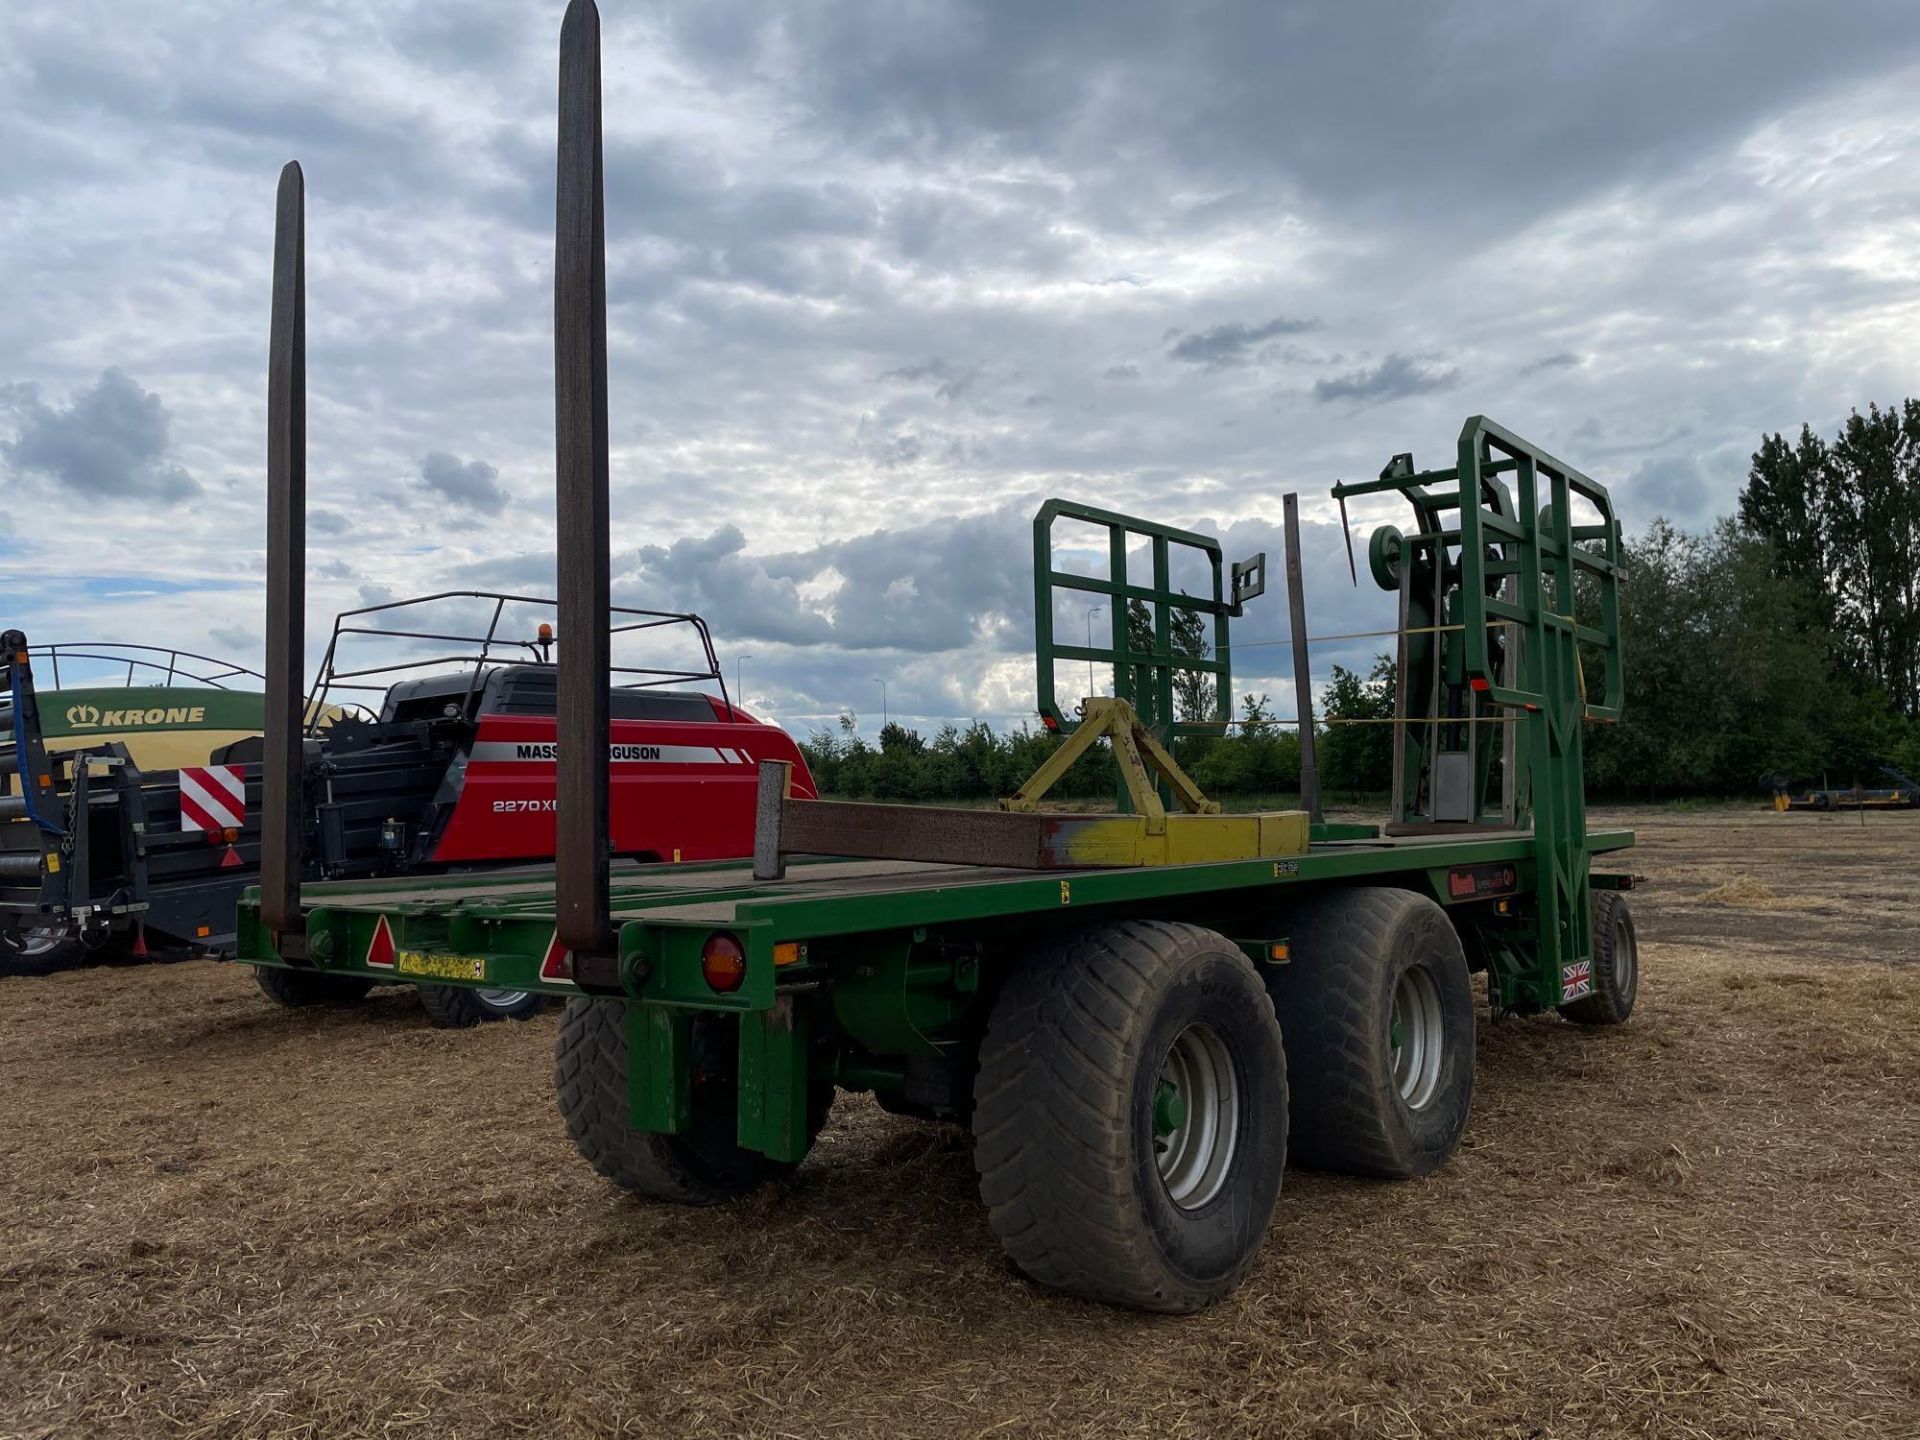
{"type": "Point", "coordinates": [827, 201]}
{"type": "Point", "coordinates": [1235, 342]}
{"type": "Point", "coordinates": [1261, 97]}
{"type": "Point", "coordinates": [934, 587]}
{"type": "Point", "coordinates": [952, 382]}
{"type": "Point", "coordinates": [112, 440]}
{"type": "Point", "coordinates": [1394, 378]}
{"type": "Point", "coordinates": [932, 368]}
{"type": "Point", "coordinates": [1564, 360]}
{"type": "Point", "coordinates": [236, 639]}
{"type": "Point", "coordinates": [470, 482]}
{"type": "Point", "coordinates": [1675, 486]}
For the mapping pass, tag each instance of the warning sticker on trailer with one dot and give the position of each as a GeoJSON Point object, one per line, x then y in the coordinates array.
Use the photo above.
{"type": "Point", "coordinates": [1576, 980]}
{"type": "Point", "coordinates": [544, 751]}
{"type": "Point", "coordinates": [441, 967]}
{"type": "Point", "coordinates": [212, 797]}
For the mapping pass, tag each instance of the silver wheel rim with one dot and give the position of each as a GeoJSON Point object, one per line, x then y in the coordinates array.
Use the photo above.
{"type": "Point", "coordinates": [1196, 1117]}
{"type": "Point", "coordinates": [1626, 960]}
{"type": "Point", "coordinates": [36, 941]}
{"type": "Point", "coordinates": [501, 999]}
{"type": "Point", "coordinates": [1416, 1036]}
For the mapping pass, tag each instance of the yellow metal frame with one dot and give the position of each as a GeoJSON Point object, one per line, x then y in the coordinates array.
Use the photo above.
{"type": "Point", "coordinates": [1150, 836]}
{"type": "Point", "coordinates": [1138, 755]}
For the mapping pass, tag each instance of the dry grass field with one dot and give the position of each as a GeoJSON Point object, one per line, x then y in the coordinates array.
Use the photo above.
{"type": "Point", "coordinates": [222, 1219]}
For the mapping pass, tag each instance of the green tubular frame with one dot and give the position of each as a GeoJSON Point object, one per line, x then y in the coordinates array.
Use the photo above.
{"type": "Point", "coordinates": [1559, 568]}
{"type": "Point", "coordinates": [1143, 680]}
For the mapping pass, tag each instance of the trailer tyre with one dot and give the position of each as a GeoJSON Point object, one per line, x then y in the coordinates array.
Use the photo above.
{"type": "Point", "coordinates": [1616, 965]}
{"type": "Point", "coordinates": [701, 1167]}
{"type": "Point", "coordinates": [455, 1007]}
{"type": "Point", "coordinates": [297, 989]}
{"type": "Point", "coordinates": [1378, 1012]}
{"type": "Point", "coordinates": [1130, 1116]}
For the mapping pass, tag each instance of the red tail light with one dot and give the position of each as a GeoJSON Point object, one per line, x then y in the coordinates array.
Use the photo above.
{"type": "Point", "coordinates": [723, 962]}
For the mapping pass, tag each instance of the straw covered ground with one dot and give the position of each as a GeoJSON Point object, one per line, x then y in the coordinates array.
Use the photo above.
{"type": "Point", "coordinates": [219, 1218]}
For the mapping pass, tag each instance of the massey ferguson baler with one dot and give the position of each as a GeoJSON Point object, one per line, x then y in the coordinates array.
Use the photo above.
{"type": "Point", "coordinates": [449, 771]}
{"type": "Point", "coordinates": [1141, 1017]}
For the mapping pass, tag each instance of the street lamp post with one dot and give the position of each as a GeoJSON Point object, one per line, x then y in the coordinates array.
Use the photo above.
{"type": "Point", "coordinates": [1092, 689]}
{"type": "Point", "coordinates": [739, 693]}
{"type": "Point", "coordinates": [883, 700]}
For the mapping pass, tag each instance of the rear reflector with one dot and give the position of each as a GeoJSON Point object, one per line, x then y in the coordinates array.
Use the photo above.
{"type": "Point", "coordinates": [723, 962]}
{"type": "Point", "coordinates": [789, 952]}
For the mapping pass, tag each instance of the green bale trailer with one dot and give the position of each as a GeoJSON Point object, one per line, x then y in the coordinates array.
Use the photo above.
{"type": "Point", "coordinates": [1141, 1017]}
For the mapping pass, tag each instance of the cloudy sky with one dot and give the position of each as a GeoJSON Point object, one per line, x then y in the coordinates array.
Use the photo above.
{"type": "Point", "coordinates": [883, 277]}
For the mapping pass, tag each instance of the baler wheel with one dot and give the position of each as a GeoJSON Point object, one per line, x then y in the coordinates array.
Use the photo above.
{"type": "Point", "coordinates": [1378, 1012]}
{"type": "Point", "coordinates": [41, 950]}
{"type": "Point", "coordinates": [455, 1007]}
{"type": "Point", "coordinates": [1130, 1116]}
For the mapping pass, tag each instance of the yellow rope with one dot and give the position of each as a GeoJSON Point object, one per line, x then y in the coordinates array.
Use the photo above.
{"type": "Point", "coordinates": [1423, 720]}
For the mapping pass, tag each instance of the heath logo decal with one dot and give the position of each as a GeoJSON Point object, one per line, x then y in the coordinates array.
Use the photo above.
{"type": "Point", "coordinates": [544, 752]}
{"type": "Point", "coordinates": [1481, 882]}
{"type": "Point", "coordinates": [91, 717]}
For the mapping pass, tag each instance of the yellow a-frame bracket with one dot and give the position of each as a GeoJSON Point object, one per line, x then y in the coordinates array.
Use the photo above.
{"type": "Point", "coordinates": [1139, 756]}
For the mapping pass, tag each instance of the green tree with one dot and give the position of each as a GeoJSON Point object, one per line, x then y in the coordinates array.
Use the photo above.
{"type": "Point", "coordinates": [1787, 499]}
{"type": "Point", "coordinates": [1843, 524]}
{"type": "Point", "coordinates": [1195, 692]}
{"type": "Point", "coordinates": [1723, 685]}
{"type": "Point", "coordinates": [1358, 757]}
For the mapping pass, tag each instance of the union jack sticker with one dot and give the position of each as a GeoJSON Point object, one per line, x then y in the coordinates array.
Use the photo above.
{"type": "Point", "coordinates": [1576, 980]}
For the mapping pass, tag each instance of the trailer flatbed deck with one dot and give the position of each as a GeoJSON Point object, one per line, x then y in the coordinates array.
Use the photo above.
{"type": "Point", "coordinates": [842, 896]}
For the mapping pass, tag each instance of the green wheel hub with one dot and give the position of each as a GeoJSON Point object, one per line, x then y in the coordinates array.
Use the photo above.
{"type": "Point", "coordinates": [1169, 1110]}
{"type": "Point", "coordinates": [1196, 1116]}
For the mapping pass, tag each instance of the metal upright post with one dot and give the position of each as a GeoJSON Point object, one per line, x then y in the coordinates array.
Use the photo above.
{"type": "Point", "coordinates": [580, 474]}
{"type": "Point", "coordinates": [1302, 671]}
{"type": "Point", "coordinates": [281, 747]}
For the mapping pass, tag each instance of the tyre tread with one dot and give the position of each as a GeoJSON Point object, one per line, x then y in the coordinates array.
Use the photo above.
{"type": "Point", "coordinates": [1055, 1182]}
{"type": "Point", "coordinates": [1326, 1005]}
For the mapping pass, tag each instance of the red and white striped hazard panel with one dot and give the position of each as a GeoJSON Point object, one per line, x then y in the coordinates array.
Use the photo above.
{"type": "Point", "coordinates": [213, 797]}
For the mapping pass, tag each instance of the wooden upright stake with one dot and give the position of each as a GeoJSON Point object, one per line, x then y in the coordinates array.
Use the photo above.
{"type": "Point", "coordinates": [1302, 669]}
{"type": "Point", "coordinates": [281, 755]}
{"type": "Point", "coordinates": [580, 475]}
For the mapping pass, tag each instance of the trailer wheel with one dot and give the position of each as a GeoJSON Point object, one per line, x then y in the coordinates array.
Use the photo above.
{"type": "Point", "coordinates": [1378, 1012]}
{"type": "Point", "coordinates": [701, 1167]}
{"type": "Point", "coordinates": [40, 950]}
{"type": "Point", "coordinates": [455, 1007]}
{"type": "Point", "coordinates": [1616, 965]}
{"type": "Point", "coordinates": [1130, 1115]}
{"type": "Point", "coordinates": [297, 989]}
